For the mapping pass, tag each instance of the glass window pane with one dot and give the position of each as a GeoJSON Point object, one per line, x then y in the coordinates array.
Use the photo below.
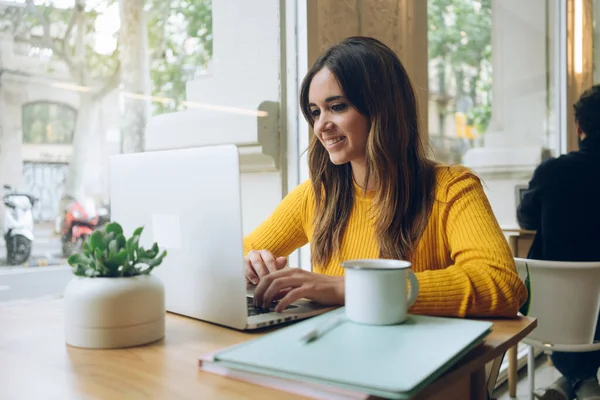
{"type": "Point", "coordinates": [78, 85]}
{"type": "Point", "coordinates": [96, 82]}
{"type": "Point", "coordinates": [494, 90]}
{"type": "Point", "coordinates": [463, 81]}
{"type": "Point", "coordinates": [460, 75]}
{"type": "Point", "coordinates": [180, 46]}
{"type": "Point", "coordinates": [48, 123]}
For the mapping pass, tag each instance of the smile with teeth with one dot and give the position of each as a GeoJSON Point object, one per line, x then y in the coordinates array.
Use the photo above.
{"type": "Point", "coordinates": [331, 142]}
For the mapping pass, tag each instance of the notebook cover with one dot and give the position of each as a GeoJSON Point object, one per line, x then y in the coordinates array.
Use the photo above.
{"type": "Point", "coordinates": [389, 361]}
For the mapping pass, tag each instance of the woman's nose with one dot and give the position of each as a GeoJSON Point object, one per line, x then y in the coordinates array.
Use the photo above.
{"type": "Point", "coordinates": [321, 125]}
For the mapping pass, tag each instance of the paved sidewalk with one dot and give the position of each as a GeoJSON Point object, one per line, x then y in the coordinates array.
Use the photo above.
{"type": "Point", "coordinates": [20, 284]}
{"type": "Point", "coordinates": [46, 273]}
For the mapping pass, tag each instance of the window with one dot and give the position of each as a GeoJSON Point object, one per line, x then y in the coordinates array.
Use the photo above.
{"type": "Point", "coordinates": [460, 76]}
{"type": "Point", "coordinates": [77, 83]}
{"type": "Point", "coordinates": [494, 97]}
{"type": "Point", "coordinates": [48, 123]}
{"type": "Point", "coordinates": [472, 77]}
{"type": "Point", "coordinates": [143, 64]}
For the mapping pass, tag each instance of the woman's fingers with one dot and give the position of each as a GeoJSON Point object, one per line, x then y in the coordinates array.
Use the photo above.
{"type": "Point", "coordinates": [268, 260]}
{"type": "Point", "coordinates": [294, 284]}
{"type": "Point", "coordinates": [292, 296]}
{"type": "Point", "coordinates": [249, 272]}
{"type": "Point", "coordinates": [281, 294]}
{"type": "Point", "coordinates": [265, 283]}
{"type": "Point", "coordinates": [281, 262]}
{"type": "Point", "coordinates": [257, 263]}
{"type": "Point", "coordinates": [279, 284]}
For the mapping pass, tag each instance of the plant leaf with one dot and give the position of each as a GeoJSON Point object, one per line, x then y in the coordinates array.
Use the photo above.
{"type": "Point", "coordinates": [135, 241]}
{"type": "Point", "coordinates": [110, 253]}
{"type": "Point", "coordinates": [153, 262]}
{"type": "Point", "coordinates": [115, 228]}
{"type": "Point", "coordinates": [79, 270]}
{"type": "Point", "coordinates": [109, 237]}
{"type": "Point", "coordinates": [130, 249]}
{"type": "Point", "coordinates": [73, 260]}
{"type": "Point", "coordinates": [153, 251]}
{"type": "Point", "coordinates": [141, 253]}
{"type": "Point", "coordinates": [146, 271]}
{"type": "Point", "coordinates": [98, 254]}
{"type": "Point", "coordinates": [113, 247]}
{"type": "Point", "coordinates": [121, 257]}
{"type": "Point", "coordinates": [79, 258]}
{"type": "Point", "coordinates": [97, 241]}
{"type": "Point", "coordinates": [91, 273]}
{"type": "Point", "coordinates": [121, 241]}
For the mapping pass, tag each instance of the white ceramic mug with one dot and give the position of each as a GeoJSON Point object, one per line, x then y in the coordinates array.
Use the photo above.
{"type": "Point", "coordinates": [376, 291]}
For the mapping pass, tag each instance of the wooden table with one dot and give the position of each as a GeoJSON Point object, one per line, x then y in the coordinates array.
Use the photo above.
{"type": "Point", "coordinates": [519, 240]}
{"type": "Point", "coordinates": [35, 362]}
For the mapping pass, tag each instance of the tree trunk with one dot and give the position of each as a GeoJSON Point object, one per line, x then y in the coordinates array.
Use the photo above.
{"type": "Point", "coordinates": [83, 146]}
{"type": "Point", "coordinates": [86, 114]}
{"type": "Point", "coordinates": [135, 75]}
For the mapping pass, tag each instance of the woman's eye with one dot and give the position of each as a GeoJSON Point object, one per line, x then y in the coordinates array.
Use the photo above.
{"type": "Point", "coordinates": [315, 112]}
{"type": "Point", "coordinates": [338, 107]}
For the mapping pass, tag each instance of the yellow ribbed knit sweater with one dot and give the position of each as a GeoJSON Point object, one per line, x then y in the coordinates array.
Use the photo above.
{"type": "Point", "coordinates": [463, 262]}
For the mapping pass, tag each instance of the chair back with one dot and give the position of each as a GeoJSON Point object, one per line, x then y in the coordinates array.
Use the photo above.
{"type": "Point", "coordinates": [565, 299]}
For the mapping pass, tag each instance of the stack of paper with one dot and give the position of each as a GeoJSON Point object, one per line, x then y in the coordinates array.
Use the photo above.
{"type": "Point", "coordinates": [352, 360]}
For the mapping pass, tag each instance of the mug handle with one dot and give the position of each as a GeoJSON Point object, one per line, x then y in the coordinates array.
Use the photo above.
{"type": "Point", "coordinates": [414, 289]}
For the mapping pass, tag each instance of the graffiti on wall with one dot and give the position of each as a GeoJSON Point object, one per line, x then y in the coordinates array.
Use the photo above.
{"type": "Point", "coordinates": [46, 181]}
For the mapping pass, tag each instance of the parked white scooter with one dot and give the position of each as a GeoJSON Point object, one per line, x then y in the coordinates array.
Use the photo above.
{"type": "Point", "coordinates": [18, 225]}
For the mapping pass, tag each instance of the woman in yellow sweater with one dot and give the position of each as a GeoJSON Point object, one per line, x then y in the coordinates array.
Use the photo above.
{"type": "Point", "coordinates": [373, 194]}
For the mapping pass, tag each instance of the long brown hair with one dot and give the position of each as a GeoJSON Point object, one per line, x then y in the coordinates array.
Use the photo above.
{"type": "Point", "coordinates": [377, 85]}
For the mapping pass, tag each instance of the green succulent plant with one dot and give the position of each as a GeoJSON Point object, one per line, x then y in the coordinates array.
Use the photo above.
{"type": "Point", "coordinates": [108, 254]}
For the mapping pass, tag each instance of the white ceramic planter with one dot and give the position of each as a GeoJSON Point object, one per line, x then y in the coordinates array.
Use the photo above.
{"type": "Point", "coordinates": [103, 313]}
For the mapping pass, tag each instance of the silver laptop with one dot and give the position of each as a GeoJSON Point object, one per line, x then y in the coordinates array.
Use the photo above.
{"type": "Point", "coordinates": [189, 201]}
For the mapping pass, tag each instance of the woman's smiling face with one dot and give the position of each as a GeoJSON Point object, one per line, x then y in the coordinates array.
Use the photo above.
{"type": "Point", "coordinates": [339, 126]}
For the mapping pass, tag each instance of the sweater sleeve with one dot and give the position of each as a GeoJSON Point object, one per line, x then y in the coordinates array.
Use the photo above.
{"type": "Point", "coordinates": [285, 230]}
{"type": "Point", "coordinates": [483, 280]}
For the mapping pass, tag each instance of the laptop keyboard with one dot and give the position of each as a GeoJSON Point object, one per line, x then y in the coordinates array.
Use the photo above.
{"type": "Point", "coordinates": [252, 310]}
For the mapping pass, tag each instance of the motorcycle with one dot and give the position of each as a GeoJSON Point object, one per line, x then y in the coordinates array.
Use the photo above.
{"type": "Point", "coordinates": [18, 225]}
{"type": "Point", "coordinates": [80, 220]}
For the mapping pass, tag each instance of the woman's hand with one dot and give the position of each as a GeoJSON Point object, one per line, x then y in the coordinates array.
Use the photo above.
{"type": "Point", "coordinates": [259, 263]}
{"type": "Point", "coordinates": [296, 283]}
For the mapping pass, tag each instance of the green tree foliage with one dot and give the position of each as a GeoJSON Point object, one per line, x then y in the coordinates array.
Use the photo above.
{"type": "Point", "coordinates": [46, 26]}
{"type": "Point", "coordinates": [460, 37]}
{"type": "Point", "coordinates": [179, 41]}
{"type": "Point", "coordinates": [180, 44]}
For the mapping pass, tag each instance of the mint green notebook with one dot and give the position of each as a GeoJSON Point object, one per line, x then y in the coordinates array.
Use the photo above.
{"type": "Point", "coordinates": [393, 361]}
